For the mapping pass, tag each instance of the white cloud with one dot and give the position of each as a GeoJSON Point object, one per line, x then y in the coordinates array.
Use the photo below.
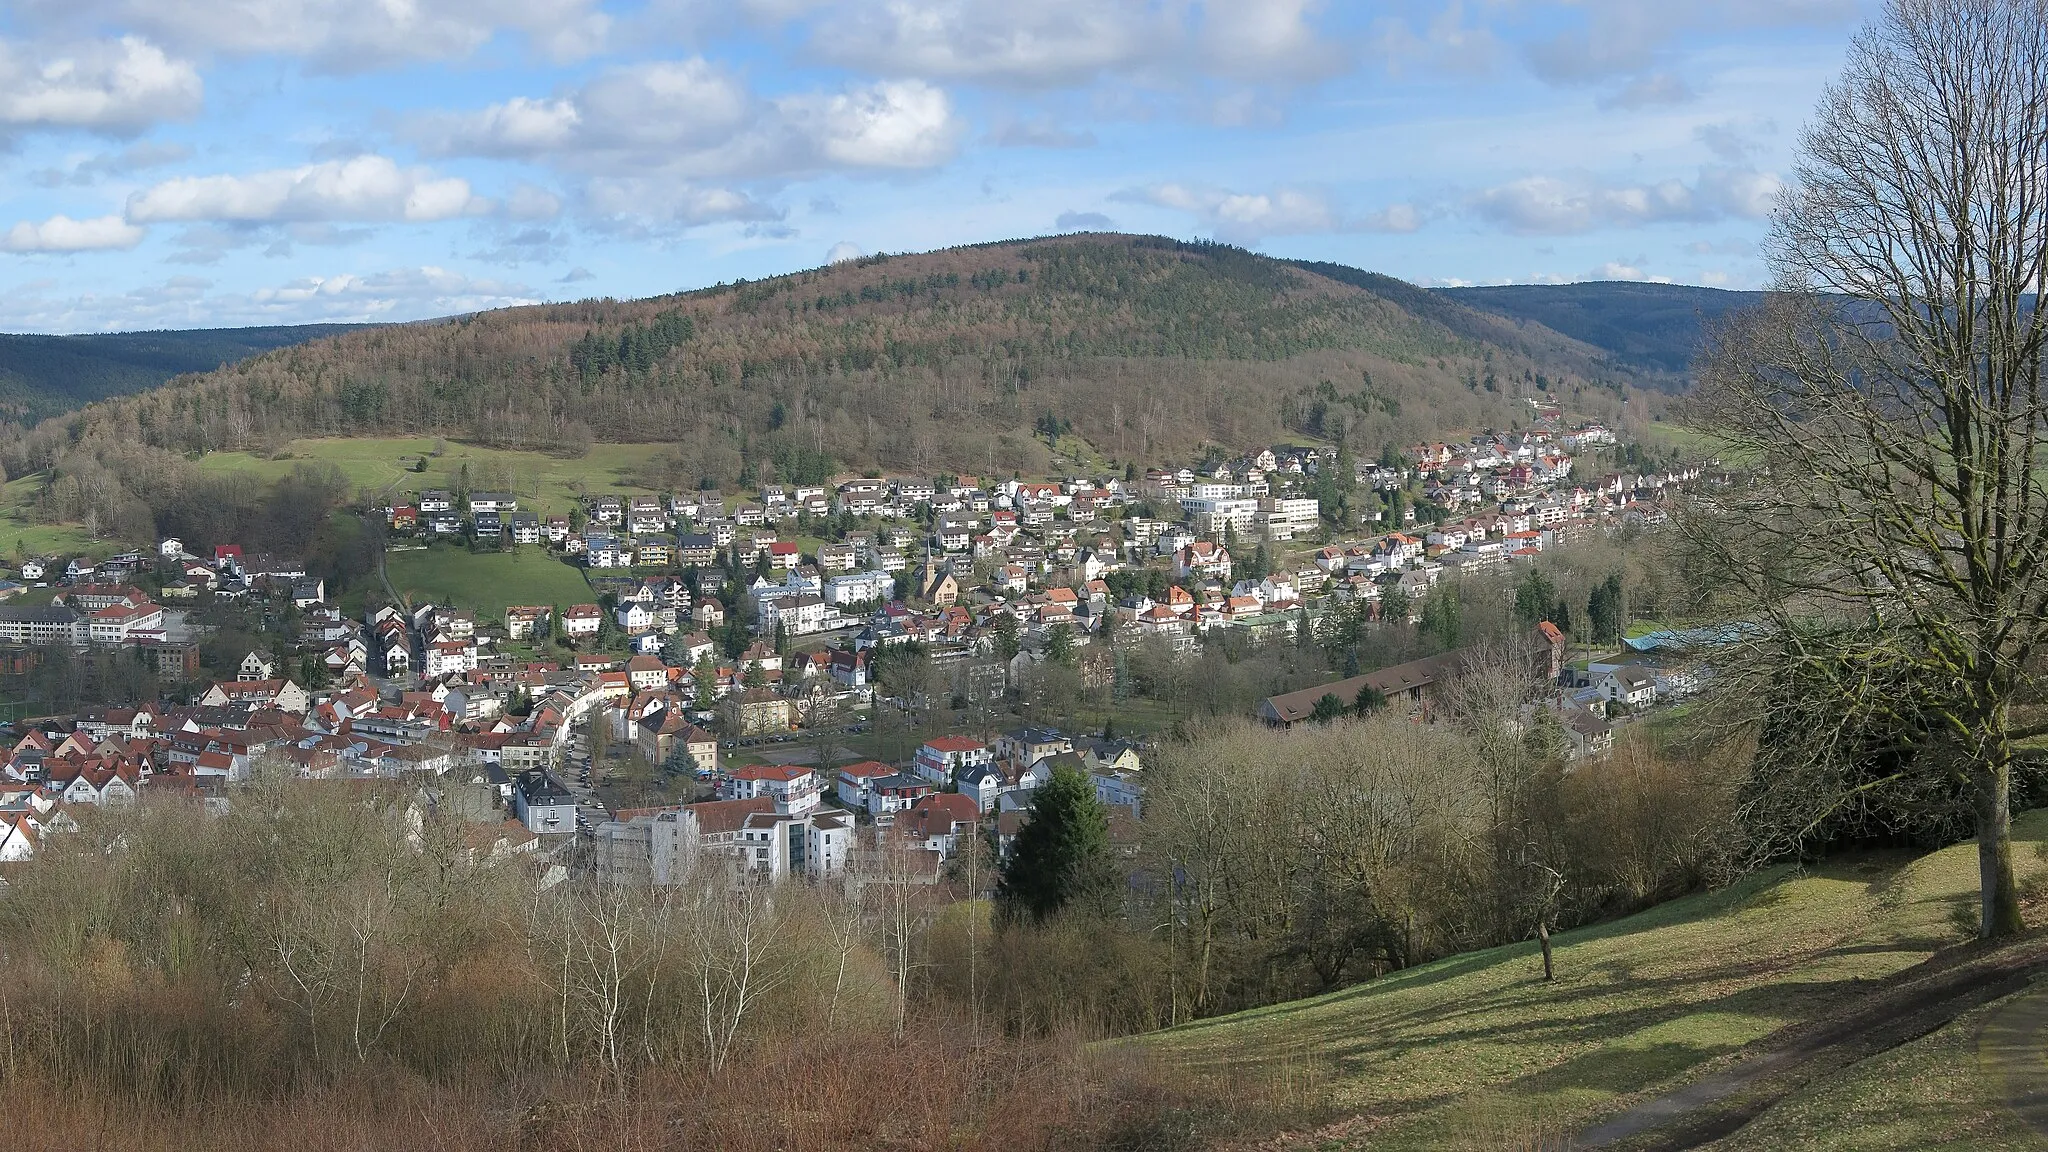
{"type": "Point", "coordinates": [1269, 40]}
{"type": "Point", "coordinates": [1551, 205]}
{"type": "Point", "coordinates": [1038, 134]}
{"type": "Point", "coordinates": [1650, 90]}
{"type": "Point", "coordinates": [340, 35]}
{"type": "Point", "coordinates": [413, 293]}
{"type": "Point", "coordinates": [120, 87]}
{"type": "Point", "coordinates": [362, 188]}
{"type": "Point", "coordinates": [527, 202]}
{"type": "Point", "coordinates": [1623, 37]}
{"type": "Point", "coordinates": [893, 124]}
{"type": "Point", "coordinates": [1242, 217]}
{"type": "Point", "coordinates": [63, 234]}
{"type": "Point", "coordinates": [1067, 43]}
{"type": "Point", "coordinates": [629, 203]}
{"type": "Point", "coordinates": [1045, 43]}
{"type": "Point", "coordinates": [1626, 268]}
{"type": "Point", "coordinates": [401, 293]}
{"type": "Point", "coordinates": [1401, 218]}
{"type": "Point", "coordinates": [1071, 221]}
{"type": "Point", "coordinates": [843, 251]}
{"type": "Point", "coordinates": [1448, 43]}
{"type": "Point", "coordinates": [691, 120]}
{"type": "Point", "coordinates": [92, 169]}
{"type": "Point", "coordinates": [1739, 191]}
{"type": "Point", "coordinates": [1248, 217]}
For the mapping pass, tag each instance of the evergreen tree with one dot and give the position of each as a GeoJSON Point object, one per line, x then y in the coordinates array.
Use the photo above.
{"type": "Point", "coordinates": [706, 674]}
{"type": "Point", "coordinates": [1604, 611]}
{"type": "Point", "coordinates": [1061, 860]}
{"type": "Point", "coordinates": [1005, 628]}
{"type": "Point", "coordinates": [1059, 645]}
{"type": "Point", "coordinates": [1330, 707]}
{"type": "Point", "coordinates": [1442, 618]}
{"type": "Point", "coordinates": [1534, 597]}
{"type": "Point", "coordinates": [1370, 700]}
{"type": "Point", "coordinates": [1394, 604]}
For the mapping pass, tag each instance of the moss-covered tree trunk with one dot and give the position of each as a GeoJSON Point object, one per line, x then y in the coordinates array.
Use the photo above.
{"type": "Point", "coordinates": [1998, 892]}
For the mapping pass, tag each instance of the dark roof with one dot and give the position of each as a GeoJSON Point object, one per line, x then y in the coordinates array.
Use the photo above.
{"type": "Point", "coordinates": [45, 614]}
{"type": "Point", "coordinates": [1030, 735]}
{"type": "Point", "coordinates": [1289, 707]}
{"type": "Point", "coordinates": [543, 788]}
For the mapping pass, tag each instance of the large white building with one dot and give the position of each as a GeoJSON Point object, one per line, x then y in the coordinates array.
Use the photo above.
{"type": "Point", "coordinates": [1214, 517]}
{"type": "Point", "coordinates": [859, 588]}
{"type": "Point", "coordinates": [661, 847]}
{"type": "Point", "coordinates": [798, 615]}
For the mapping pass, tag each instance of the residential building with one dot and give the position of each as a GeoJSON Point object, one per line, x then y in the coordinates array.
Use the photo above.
{"type": "Point", "coordinates": [941, 758]}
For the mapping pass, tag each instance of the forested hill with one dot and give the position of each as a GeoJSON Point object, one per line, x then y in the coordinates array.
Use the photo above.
{"type": "Point", "coordinates": [46, 375]}
{"type": "Point", "coordinates": [1655, 329]}
{"type": "Point", "coordinates": [960, 361]}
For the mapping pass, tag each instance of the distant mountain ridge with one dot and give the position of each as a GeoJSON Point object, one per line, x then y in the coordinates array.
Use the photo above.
{"type": "Point", "coordinates": [44, 376]}
{"type": "Point", "coordinates": [969, 360]}
{"type": "Point", "coordinates": [1657, 329]}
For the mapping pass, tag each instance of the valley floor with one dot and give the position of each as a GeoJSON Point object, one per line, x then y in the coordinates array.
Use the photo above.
{"type": "Point", "coordinates": [1477, 1051]}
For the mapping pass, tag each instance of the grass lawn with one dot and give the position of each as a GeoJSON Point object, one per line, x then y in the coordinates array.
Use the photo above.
{"type": "Point", "coordinates": [1680, 439]}
{"type": "Point", "coordinates": [545, 484]}
{"type": "Point", "coordinates": [487, 582]}
{"type": "Point", "coordinates": [19, 532]}
{"type": "Point", "coordinates": [1922, 1095]}
{"type": "Point", "coordinates": [1475, 1048]}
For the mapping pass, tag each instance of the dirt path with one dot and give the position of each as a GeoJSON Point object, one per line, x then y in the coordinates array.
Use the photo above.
{"type": "Point", "coordinates": [1904, 1008]}
{"type": "Point", "coordinates": [2012, 1054]}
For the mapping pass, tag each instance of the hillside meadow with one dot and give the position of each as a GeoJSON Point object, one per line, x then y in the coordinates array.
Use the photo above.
{"type": "Point", "coordinates": [385, 466]}
{"type": "Point", "coordinates": [1476, 1051]}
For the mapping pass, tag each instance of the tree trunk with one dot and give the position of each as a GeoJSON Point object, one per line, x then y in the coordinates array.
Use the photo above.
{"type": "Point", "coordinates": [1999, 908]}
{"type": "Point", "coordinates": [1543, 941]}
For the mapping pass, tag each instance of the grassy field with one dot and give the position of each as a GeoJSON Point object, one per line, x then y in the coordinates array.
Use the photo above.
{"type": "Point", "coordinates": [1687, 442]}
{"type": "Point", "coordinates": [1924, 1095]}
{"type": "Point", "coordinates": [546, 484]}
{"type": "Point", "coordinates": [486, 582]}
{"type": "Point", "coordinates": [1477, 1051]}
{"type": "Point", "coordinates": [19, 533]}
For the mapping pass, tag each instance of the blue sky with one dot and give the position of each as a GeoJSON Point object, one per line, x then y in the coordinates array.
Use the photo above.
{"type": "Point", "coordinates": [185, 163]}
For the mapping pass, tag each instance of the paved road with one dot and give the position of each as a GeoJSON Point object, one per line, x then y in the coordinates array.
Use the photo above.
{"type": "Point", "coordinates": [2012, 1055]}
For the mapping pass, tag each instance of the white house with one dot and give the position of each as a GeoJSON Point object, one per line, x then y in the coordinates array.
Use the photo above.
{"type": "Point", "coordinates": [1630, 685]}
{"type": "Point", "coordinates": [942, 758]}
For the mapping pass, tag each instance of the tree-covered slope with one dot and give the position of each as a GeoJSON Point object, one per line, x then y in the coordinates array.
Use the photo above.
{"type": "Point", "coordinates": [1144, 349]}
{"type": "Point", "coordinates": [1655, 328]}
{"type": "Point", "coordinates": [46, 375]}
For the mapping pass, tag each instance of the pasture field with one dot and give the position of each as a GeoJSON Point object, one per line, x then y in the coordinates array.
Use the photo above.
{"type": "Point", "coordinates": [550, 485]}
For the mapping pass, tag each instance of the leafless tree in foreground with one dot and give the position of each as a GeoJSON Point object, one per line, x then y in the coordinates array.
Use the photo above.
{"type": "Point", "coordinates": [1892, 542]}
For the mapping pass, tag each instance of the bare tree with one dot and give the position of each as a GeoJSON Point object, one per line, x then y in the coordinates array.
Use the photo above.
{"type": "Point", "coordinates": [1887, 404]}
{"type": "Point", "coordinates": [739, 959]}
{"type": "Point", "coordinates": [826, 718]}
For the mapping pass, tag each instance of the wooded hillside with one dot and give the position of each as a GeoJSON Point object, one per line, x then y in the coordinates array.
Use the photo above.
{"type": "Point", "coordinates": [1654, 329]}
{"type": "Point", "coordinates": [1146, 347]}
{"type": "Point", "coordinates": [43, 376]}
{"type": "Point", "coordinates": [970, 361]}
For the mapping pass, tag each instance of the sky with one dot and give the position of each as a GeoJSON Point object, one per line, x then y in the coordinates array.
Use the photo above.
{"type": "Point", "coordinates": [210, 163]}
